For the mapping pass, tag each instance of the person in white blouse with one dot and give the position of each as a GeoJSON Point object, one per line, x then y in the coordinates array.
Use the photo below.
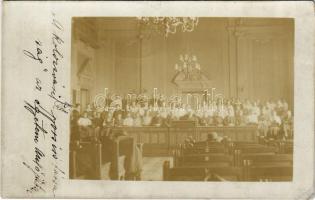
{"type": "Point", "coordinates": [137, 122]}
{"type": "Point", "coordinates": [254, 113]}
{"type": "Point", "coordinates": [128, 121]}
{"type": "Point", "coordinates": [84, 120]}
{"type": "Point", "coordinates": [141, 111]}
{"type": "Point", "coordinates": [147, 119]}
{"type": "Point", "coordinates": [182, 111]}
{"type": "Point", "coordinates": [275, 118]}
{"type": "Point", "coordinates": [84, 126]}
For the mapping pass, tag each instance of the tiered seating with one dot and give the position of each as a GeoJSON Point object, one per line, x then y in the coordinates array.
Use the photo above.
{"type": "Point", "coordinates": [230, 161]}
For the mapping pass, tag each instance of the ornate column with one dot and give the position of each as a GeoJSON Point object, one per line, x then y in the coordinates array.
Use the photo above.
{"type": "Point", "coordinates": [233, 41]}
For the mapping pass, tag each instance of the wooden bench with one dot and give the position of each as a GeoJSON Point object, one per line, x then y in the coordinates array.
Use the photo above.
{"type": "Point", "coordinates": [281, 144]}
{"type": "Point", "coordinates": [255, 149]}
{"type": "Point", "coordinates": [278, 167]}
{"type": "Point", "coordinates": [203, 150]}
{"type": "Point", "coordinates": [205, 160]}
{"type": "Point", "coordinates": [258, 159]}
{"type": "Point", "coordinates": [224, 174]}
{"type": "Point", "coordinates": [181, 150]}
{"type": "Point", "coordinates": [201, 173]}
{"type": "Point", "coordinates": [122, 159]}
{"type": "Point", "coordinates": [85, 160]}
{"type": "Point", "coordinates": [114, 159]}
{"type": "Point", "coordinates": [272, 172]}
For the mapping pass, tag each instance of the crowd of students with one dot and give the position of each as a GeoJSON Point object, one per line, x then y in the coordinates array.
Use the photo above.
{"type": "Point", "coordinates": [273, 118]}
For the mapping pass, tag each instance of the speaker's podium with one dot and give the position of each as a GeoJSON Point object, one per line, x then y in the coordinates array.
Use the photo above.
{"type": "Point", "coordinates": [180, 130]}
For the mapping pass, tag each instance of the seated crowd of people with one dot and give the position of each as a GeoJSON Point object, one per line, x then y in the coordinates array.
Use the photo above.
{"type": "Point", "coordinates": [271, 117]}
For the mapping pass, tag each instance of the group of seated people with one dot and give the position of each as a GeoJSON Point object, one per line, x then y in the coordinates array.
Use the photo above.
{"type": "Point", "coordinates": [270, 117]}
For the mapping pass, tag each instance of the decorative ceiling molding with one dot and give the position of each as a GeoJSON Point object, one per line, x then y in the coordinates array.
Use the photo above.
{"type": "Point", "coordinates": [258, 31]}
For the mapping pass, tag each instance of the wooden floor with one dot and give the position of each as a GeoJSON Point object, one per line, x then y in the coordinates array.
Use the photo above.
{"type": "Point", "coordinates": [152, 168]}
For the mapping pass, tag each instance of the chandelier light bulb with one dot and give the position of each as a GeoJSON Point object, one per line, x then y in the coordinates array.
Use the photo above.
{"type": "Point", "coordinates": [189, 66]}
{"type": "Point", "coordinates": [181, 58]}
{"type": "Point", "coordinates": [168, 25]}
{"type": "Point", "coordinates": [176, 67]}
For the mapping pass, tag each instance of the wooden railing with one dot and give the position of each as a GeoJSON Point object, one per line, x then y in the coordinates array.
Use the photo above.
{"type": "Point", "coordinates": [159, 141]}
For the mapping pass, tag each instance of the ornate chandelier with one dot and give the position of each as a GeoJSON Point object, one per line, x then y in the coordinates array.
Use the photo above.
{"type": "Point", "coordinates": [168, 25]}
{"type": "Point", "coordinates": [189, 66]}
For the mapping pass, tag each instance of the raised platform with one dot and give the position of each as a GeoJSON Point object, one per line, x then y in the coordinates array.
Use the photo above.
{"type": "Point", "coordinates": [159, 141]}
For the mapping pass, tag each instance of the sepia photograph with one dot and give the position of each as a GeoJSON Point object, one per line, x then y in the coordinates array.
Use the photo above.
{"type": "Point", "coordinates": [157, 100]}
{"type": "Point", "coordinates": [182, 99]}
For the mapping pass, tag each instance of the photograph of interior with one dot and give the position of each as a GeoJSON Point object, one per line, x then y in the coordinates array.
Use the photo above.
{"type": "Point", "coordinates": [182, 99]}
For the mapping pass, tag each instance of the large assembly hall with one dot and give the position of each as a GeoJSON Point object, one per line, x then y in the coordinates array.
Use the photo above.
{"type": "Point", "coordinates": [182, 99]}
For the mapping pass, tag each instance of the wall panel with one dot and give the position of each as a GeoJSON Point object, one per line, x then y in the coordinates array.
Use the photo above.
{"type": "Point", "coordinates": [246, 58]}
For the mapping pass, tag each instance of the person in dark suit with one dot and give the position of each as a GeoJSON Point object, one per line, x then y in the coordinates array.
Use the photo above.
{"type": "Point", "coordinates": [74, 134]}
{"type": "Point", "coordinates": [156, 120]}
{"type": "Point", "coordinates": [118, 120]}
{"type": "Point", "coordinates": [117, 111]}
{"type": "Point", "coordinates": [213, 137]}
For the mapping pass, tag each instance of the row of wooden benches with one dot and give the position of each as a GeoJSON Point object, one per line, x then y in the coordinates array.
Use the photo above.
{"type": "Point", "coordinates": [239, 161]}
{"type": "Point", "coordinates": [285, 147]}
{"type": "Point", "coordinates": [96, 160]}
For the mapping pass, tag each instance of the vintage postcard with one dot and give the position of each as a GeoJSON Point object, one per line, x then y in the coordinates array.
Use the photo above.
{"type": "Point", "coordinates": [158, 100]}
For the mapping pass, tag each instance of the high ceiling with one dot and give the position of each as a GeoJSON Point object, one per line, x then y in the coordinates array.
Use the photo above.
{"type": "Point", "coordinates": [94, 30]}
